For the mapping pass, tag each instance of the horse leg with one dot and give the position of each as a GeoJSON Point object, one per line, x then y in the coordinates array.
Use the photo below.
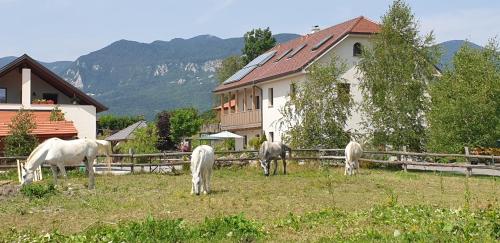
{"type": "Point", "coordinates": [275, 166]}
{"type": "Point", "coordinates": [54, 173]}
{"type": "Point", "coordinates": [284, 166]}
{"type": "Point", "coordinates": [90, 169]}
{"type": "Point", "coordinates": [345, 169]}
{"type": "Point", "coordinates": [357, 166]}
{"type": "Point", "coordinates": [62, 170]}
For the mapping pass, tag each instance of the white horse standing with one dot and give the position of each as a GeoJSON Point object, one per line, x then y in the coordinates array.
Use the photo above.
{"type": "Point", "coordinates": [202, 162]}
{"type": "Point", "coordinates": [58, 153]}
{"type": "Point", "coordinates": [353, 152]}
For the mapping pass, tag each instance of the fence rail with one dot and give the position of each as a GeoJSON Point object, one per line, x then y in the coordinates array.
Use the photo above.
{"type": "Point", "coordinates": [323, 155]}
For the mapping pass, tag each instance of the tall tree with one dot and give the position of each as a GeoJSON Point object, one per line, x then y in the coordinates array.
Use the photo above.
{"type": "Point", "coordinates": [20, 141]}
{"type": "Point", "coordinates": [318, 110]}
{"type": "Point", "coordinates": [184, 122]}
{"type": "Point", "coordinates": [396, 71]}
{"type": "Point", "coordinates": [465, 107]}
{"type": "Point", "coordinates": [229, 66]}
{"type": "Point", "coordinates": [257, 41]}
{"type": "Point", "coordinates": [164, 141]}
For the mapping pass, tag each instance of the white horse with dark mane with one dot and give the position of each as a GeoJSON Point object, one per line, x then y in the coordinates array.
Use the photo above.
{"type": "Point", "coordinates": [353, 152]}
{"type": "Point", "coordinates": [58, 153]}
{"type": "Point", "coordinates": [202, 162]}
{"type": "Point", "coordinates": [272, 151]}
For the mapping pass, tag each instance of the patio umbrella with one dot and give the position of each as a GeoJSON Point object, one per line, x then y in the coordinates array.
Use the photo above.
{"type": "Point", "coordinates": [224, 134]}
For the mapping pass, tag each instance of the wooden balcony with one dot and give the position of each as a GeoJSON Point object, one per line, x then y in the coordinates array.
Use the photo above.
{"type": "Point", "coordinates": [241, 120]}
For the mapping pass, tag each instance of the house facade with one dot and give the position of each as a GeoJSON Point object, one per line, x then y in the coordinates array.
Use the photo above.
{"type": "Point", "coordinates": [251, 99]}
{"type": "Point", "coordinates": [25, 83]}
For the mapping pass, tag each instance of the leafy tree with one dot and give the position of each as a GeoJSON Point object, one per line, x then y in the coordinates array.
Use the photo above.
{"type": "Point", "coordinates": [209, 117]}
{"type": "Point", "coordinates": [164, 133]}
{"type": "Point", "coordinates": [229, 66]}
{"type": "Point", "coordinates": [317, 111]}
{"type": "Point", "coordinates": [21, 142]}
{"type": "Point", "coordinates": [113, 122]}
{"type": "Point", "coordinates": [396, 73]}
{"type": "Point", "coordinates": [465, 107]}
{"type": "Point", "coordinates": [184, 122]}
{"type": "Point", "coordinates": [257, 41]}
{"type": "Point", "coordinates": [145, 141]}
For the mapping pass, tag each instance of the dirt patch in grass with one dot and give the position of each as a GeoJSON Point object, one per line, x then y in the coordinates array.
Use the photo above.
{"type": "Point", "coordinates": [240, 190]}
{"type": "Point", "coordinates": [8, 189]}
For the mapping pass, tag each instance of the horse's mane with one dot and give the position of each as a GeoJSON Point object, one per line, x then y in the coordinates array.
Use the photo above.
{"type": "Point", "coordinates": [35, 154]}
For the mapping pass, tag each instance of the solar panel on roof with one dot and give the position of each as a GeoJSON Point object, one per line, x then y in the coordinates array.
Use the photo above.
{"type": "Point", "coordinates": [296, 50]}
{"type": "Point", "coordinates": [261, 59]}
{"type": "Point", "coordinates": [258, 61]}
{"type": "Point", "coordinates": [283, 55]}
{"type": "Point", "coordinates": [321, 42]}
{"type": "Point", "coordinates": [240, 74]}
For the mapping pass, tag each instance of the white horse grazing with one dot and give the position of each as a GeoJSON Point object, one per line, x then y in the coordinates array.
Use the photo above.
{"type": "Point", "coordinates": [58, 153]}
{"type": "Point", "coordinates": [272, 151]}
{"type": "Point", "coordinates": [202, 162]}
{"type": "Point", "coordinates": [353, 152]}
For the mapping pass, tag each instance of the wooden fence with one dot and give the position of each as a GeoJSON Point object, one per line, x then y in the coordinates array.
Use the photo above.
{"type": "Point", "coordinates": [326, 156]}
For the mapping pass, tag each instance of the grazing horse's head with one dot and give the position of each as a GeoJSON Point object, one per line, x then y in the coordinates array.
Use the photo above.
{"type": "Point", "coordinates": [27, 176]}
{"type": "Point", "coordinates": [196, 185]}
{"type": "Point", "coordinates": [264, 163]}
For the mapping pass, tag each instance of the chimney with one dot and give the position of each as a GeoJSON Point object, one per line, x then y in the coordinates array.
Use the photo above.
{"type": "Point", "coordinates": [315, 29]}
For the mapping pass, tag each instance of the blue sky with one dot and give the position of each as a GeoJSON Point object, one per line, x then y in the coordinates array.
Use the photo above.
{"type": "Point", "coordinates": [52, 30]}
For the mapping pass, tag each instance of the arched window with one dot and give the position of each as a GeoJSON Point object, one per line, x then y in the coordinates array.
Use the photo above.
{"type": "Point", "coordinates": [356, 49]}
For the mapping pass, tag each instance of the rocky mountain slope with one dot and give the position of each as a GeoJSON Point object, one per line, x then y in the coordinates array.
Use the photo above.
{"type": "Point", "coordinates": [133, 78]}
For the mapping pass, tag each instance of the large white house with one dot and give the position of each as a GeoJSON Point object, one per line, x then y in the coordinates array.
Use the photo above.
{"type": "Point", "coordinates": [256, 93]}
{"type": "Point", "coordinates": [26, 83]}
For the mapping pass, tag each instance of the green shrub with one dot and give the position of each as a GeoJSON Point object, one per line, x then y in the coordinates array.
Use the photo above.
{"type": "Point", "coordinates": [235, 227]}
{"type": "Point", "coordinates": [232, 228]}
{"type": "Point", "coordinates": [20, 141]}
{"type": "Point", "coordinates": [38, 190]}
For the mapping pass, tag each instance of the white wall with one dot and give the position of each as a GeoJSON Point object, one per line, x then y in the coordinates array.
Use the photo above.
{"type": "Point", "coordinates": [271, 115]}
{"type": "Point", "coordinates": [281, 87]}
{"type": "Point", "coordinates": [344, 51]}
{"type": "Point", "coordinates": [83, 117]}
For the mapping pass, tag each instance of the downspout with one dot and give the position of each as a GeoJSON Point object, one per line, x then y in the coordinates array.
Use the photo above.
{"type": "Point", "coordinates": [261, 109]}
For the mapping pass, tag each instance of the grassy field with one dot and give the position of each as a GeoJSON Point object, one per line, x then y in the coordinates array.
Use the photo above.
{"type": "Point", "coordinates": [309, 204]}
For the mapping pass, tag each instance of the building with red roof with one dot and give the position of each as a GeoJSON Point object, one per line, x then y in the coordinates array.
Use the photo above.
{"type": "Point", "coordinates": [261, 88]}
{"type": "Point", "coordinates": [25, 83]}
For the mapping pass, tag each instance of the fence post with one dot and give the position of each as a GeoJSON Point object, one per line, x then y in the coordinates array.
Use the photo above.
{"type": "Point", "coordinates": [404, 156]}
{"type": "Point", "coordinates": [466, 149]}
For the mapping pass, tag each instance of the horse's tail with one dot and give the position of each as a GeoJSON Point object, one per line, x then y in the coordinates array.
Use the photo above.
{"type": "Point", "coordinates": [197, 159]}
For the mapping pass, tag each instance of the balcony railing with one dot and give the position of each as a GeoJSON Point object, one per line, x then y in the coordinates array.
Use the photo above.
{"type": "Point", "coordinates": [241, 120]}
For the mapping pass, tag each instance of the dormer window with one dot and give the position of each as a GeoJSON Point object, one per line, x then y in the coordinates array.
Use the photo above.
{"type": "Point", "coordinates": [356, 49]}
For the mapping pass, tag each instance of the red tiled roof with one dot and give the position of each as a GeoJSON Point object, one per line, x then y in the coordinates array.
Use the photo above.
{"type": "Point", "coordinates": [285, 66]}
{"type": "Point", "coordinates": [44, 127]}
{"type": "Point", "coordinates": [226, 105]}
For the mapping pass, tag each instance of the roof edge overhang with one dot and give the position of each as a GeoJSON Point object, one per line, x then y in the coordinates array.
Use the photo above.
{"type": "Point", "coordinates": [53, 79]}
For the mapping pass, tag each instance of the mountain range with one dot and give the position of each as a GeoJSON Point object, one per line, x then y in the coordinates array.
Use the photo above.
{"type": "Point", "coordinates": [133, 78]}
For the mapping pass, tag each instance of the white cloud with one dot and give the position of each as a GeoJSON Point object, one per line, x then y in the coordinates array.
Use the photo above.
{"type": "Point", "coordinates": [476, 25]}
